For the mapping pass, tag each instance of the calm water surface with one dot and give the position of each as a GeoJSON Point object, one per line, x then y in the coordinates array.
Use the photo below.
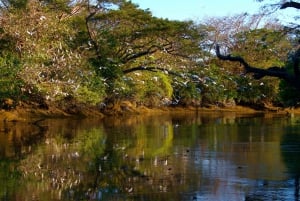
{"type": "Point", "coordinates": [164, 157]}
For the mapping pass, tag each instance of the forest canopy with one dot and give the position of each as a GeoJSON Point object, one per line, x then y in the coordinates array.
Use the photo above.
{"type": "Point", "coordinates": [93, 53]}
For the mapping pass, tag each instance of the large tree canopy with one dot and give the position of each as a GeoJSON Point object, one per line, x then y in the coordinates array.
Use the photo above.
{"type": "Point", "coordinates": [131, 39]}
{"type": "Point", "coordinates": [90, 52]}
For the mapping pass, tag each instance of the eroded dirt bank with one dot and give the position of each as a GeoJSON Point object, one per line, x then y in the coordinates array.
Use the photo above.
{"type": "Point", "coordinates": [31, 113]}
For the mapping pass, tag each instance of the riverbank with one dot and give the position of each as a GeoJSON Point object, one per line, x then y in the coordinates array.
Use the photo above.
{"type": "Point", "coordinates": [31, 112]}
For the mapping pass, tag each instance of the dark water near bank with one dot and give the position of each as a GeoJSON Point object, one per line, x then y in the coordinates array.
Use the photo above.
{"type": "Point", "coordinates": [165, 157]}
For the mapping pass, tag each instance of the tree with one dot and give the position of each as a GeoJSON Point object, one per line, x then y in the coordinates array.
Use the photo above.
{"type": "Point", "coordinates": [52, 65]}
{"type": "Point", "coordinates": [127, 39]}
{"type": "Point", "coordinates": [256, 38]}
{"type": "Point", "coordinates": [274, 71]}
{"type": "Point", "coordinates": [58, 50]}
{"type": "Point", "coordinates": [132, 39]}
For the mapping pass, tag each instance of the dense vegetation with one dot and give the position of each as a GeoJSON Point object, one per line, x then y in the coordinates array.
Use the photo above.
{"type": "Point", "coordinates": [68, 53]}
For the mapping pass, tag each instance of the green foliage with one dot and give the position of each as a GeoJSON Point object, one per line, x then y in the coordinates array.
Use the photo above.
{"type": "Point", "coordinates": [252, 91]}
{"type": "Point", "coordinates": [11, 85]}
{"type": "Point", "coordinates": [59, 49]}
{"type": "Point", "coordinates": [84, 95]}
{"type": "Point", "coordinates": [147, 88]}
{"type": "Point", "coordinates": [61, 5]}
{"type": "Point", "coordinates": [217, 85]}
{"type": "Point", "coordinates": [128, 37]}
{"type": "Point", "coordinates": [263, 47]}
{"type": "Point", "coordinates": [288, 95]}
{"type": "Point", "coordinates": [165, 84]}
{"type": "Point", "coordinates": [186, 92]}
{"type": "Point", "coordinates": [121, 88]}
{"type": "Point", "coordinates": [153, 89]}
{"type": "Point", "coordinates": [15, 4]}
{"type": "Point", "coordinates": [91, 91]}
{"type": "Point", "coordinates": [106, 69]}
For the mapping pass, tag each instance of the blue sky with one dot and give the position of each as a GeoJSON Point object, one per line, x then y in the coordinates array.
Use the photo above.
{"type": "Point", "coordinates": [197, 9]}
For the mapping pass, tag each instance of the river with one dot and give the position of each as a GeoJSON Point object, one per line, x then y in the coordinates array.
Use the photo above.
{"type": "Point", "coordinates": [183, 156]}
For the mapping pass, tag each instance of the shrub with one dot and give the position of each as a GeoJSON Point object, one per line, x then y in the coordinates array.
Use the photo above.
{"type": "Point", "coordinates": [85, 95]}
{"type": "Point", "coordinates": [153, 89]}
{"type": "Point", "coordinates": [252, 91]}
{"type": "Point", "coordinates": [146, 88]}
{"type": "Point", "coordinates": [186, 92]}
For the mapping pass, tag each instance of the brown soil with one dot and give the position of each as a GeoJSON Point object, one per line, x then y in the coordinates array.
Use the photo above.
{"type": "Point", "coordinates": [31, 113]}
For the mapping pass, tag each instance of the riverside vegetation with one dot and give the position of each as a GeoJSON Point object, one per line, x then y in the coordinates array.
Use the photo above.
{"type": "Point", "coordinates": [61, 57]}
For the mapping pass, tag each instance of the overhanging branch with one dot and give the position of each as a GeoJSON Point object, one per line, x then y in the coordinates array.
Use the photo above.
{"type": "Point", "coordinates": [275, 71]}
{"type": "Point", "coordinates": [290, 4]}
{"type": "Point", "coordinates": [258, 73]}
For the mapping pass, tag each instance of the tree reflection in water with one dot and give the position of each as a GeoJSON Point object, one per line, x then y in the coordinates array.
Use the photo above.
{"type": "Point", "coordinates": [180, 157]}
{"type": "Point", "coordinates": [290, 150]}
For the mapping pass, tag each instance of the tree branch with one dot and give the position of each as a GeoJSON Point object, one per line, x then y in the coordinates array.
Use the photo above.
{"type": "Point", "coordinates": [258, 73]}
{"type": "Point", "coordinates": [91, 34]}
{"type": "Point", "coordinates": [290, 4]}
{"type": "Point", "coordinates": [149, 51]}
{"type": "Point", "coordinates": [275, 71]}
{"type": "Point", "coordinates": [152, 69]}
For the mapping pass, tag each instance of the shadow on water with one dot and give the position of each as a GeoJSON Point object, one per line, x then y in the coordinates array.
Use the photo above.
{"type": "Point", "coordinates": [290, 149]}
{"type": "Point", "coordinates": [167, 157]}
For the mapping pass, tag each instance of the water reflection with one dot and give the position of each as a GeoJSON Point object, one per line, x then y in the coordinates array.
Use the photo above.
{"type": "Point", "coordinates": [167, 157]}
{"type": "Point", "coordinates": [290, 150]}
